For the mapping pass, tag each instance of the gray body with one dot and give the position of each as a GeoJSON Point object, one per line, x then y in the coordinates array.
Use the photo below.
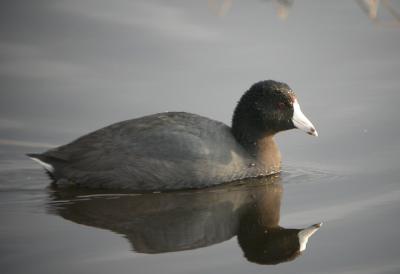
{"type": "Point", "coordinates": [165, 151]}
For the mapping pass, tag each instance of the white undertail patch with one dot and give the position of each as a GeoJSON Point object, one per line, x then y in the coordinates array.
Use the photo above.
{"type": "Point", "coordinates": [47, 166]}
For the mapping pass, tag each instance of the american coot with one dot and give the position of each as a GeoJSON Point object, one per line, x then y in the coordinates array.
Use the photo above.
{"type": "Point", "coordinates": [178, 150]}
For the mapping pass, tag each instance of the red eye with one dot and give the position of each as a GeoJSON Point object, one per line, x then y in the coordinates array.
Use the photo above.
{"type": "Point", "coordinates": [281, 105]}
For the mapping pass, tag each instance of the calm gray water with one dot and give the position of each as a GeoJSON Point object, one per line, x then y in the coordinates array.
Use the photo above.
{"type": "Point", "coordinates": [70, 67]}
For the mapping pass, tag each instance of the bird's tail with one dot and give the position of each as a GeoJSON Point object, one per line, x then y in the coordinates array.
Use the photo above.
{"type": "Point", "coordinates": [42, 160]}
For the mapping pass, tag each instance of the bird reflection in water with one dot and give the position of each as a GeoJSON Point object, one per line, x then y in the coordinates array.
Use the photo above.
{"type": "Point", "coordinates": [184, 220]}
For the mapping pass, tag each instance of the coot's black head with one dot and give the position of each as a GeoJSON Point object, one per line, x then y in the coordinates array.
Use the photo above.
{"type": "Point", "coordinates": [267, 108]}
{"type": "Point", "coordinates": [275, 245]}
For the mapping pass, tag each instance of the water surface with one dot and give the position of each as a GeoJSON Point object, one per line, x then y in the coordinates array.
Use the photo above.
{"type": "Point", "coordinates": [69, 67]}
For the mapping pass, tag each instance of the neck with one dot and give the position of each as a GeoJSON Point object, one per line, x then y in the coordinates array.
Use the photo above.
{"type": "Point", "coordinates": [268, 152]}
{"type": "Point", "coordinates": [254, 134]}
{"type": "Point", "coordinates": [260, 145]}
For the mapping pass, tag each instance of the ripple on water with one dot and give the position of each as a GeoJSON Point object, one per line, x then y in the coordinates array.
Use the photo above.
{"type": "Point", "coordinates": [23, 180]}
{"type": "Point", "coordinates": [308, 175]}
{"type": "Point", "coordinates": [23, 188]}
